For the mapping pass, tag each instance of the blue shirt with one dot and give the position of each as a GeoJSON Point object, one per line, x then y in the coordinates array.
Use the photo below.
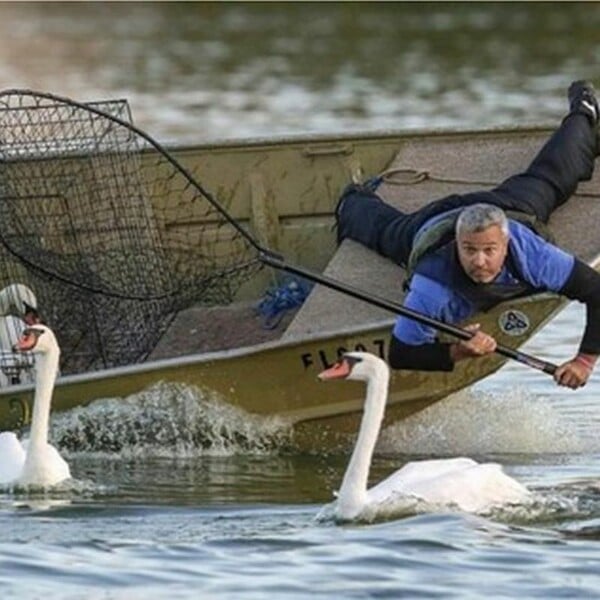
{"type": "Point", "coordinates": [541, 264]}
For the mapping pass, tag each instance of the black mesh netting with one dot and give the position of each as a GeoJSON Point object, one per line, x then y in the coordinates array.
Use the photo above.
{"type": "Point", "coordinates": [92, 219]}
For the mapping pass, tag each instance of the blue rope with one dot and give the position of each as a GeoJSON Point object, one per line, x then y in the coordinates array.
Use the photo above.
{"type": "Point", "coordinates": [280, 299]}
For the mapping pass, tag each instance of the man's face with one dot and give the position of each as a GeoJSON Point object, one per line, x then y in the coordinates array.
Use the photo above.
{"type": "Point", "coordinates": [481, 254]}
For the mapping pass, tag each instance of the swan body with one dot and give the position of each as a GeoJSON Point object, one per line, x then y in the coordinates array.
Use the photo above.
{"type": "Point", "coordinates": [35, 462]}
{"type": "Point", "coordinates": [459, 483]}
{"type": "Point", "coordinates": [12, 457]}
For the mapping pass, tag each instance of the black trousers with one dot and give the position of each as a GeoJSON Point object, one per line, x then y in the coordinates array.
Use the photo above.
{"type": "Point", "coordinates": [565, 159]}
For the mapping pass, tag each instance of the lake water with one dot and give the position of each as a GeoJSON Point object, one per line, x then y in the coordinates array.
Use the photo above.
{"type": "Point", "coordinates": [193, 71]}
{"type": "Point", "coordinates": [235, 516]}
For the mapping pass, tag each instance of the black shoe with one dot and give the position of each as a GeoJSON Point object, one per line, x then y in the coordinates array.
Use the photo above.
{"type": "Point", "coordinates": [582, 99]}
{"type": "Point", "coordinates": [367, 188]}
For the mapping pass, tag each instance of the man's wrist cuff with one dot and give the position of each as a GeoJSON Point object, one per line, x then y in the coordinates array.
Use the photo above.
{"type": "Point", "coordinates": [587, 360]}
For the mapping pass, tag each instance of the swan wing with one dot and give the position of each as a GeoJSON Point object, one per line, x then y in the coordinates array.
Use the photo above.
{"type": "Point", "coordinates": [44, 468]}
{"type": "Point", "coordinates": [459, 482]}
{"type": "Point", "coordinates": [59, 466]}
{"type": "Point", "coordinates": [429, 469]}
{"type": "Point", "coordinates": [412, 473]}
{"type": "Point", "coordinates": [474, 489]}
{"type": "Point", "coordinates": [12, 457]}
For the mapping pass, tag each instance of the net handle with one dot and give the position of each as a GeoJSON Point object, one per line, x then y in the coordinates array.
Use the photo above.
{"type": "Point", "coordinates": [274, 260]}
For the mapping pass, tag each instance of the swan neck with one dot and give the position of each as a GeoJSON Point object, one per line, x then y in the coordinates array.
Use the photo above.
{"type": "Point", "coordinates": [46, 370]}
{"type": "Point", "coordinates": [352, 494]}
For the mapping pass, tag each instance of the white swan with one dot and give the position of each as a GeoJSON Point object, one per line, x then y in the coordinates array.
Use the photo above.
{"type": "Point", "coordinates": [456, 482]}
{"type": "Point", "coordinates": [36, 462]}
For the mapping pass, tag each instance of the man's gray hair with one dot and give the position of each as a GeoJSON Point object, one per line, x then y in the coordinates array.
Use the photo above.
{"type": "Point", "coordinates": [478, 217]}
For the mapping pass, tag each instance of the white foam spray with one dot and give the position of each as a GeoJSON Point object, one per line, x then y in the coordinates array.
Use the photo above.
{"type": "Point", "coordinates": [167, 420]}
{"type": "Point", "coordinates": [474, 422]}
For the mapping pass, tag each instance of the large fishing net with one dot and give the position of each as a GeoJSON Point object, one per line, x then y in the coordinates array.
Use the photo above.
{"type": "Point", "coordinates": [106, 230]}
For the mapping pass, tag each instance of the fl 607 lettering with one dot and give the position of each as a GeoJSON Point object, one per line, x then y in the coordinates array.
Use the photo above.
{"type": "Point", "coordinates": [325, 358]}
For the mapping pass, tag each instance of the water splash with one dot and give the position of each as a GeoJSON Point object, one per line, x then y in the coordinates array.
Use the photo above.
{"type": "Point", "coordinates": [474, 422]}
{"type": "Point", "coordinates": [172, 420]}
{"type": "Point", "coordinates": [541, 507]}
{"type": "Point", "coordinates": [43, 498]}
{"type": "Point", "coordinates": [167, 420]}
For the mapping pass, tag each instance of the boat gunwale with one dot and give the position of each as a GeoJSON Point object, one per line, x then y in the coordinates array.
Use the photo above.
{"type": "Point", "coordinates": [364, 135]}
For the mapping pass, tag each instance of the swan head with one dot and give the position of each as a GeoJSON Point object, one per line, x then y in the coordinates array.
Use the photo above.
{"type": "Point", "coordinates": [357, 366]}
{"type": "Point", "coordinates": [38, 339]}
{"type": "Point", "coordinates": [18, 300]}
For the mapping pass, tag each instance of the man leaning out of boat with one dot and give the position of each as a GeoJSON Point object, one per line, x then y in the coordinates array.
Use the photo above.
{"type": "Point", "coordinates": [466, 253]}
